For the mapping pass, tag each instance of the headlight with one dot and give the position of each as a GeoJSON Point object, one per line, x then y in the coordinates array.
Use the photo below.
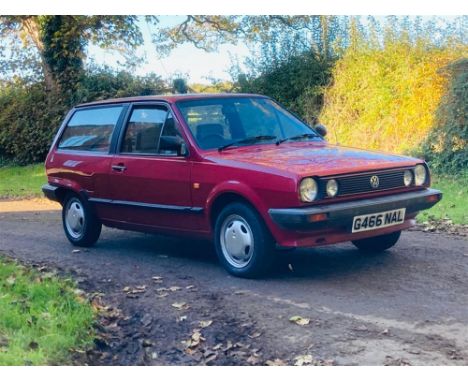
{"type": "Point", "coordinates": [407, 177]}
{"type": "Point", "coordinates": [308, 190]}
{"type": "Point", "coordinates": [420, 175]}
{"type": "Point", "coordinates": [332, 188]}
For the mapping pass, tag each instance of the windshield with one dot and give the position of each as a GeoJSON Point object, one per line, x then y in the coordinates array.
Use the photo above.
{"type": "Point", "coordinates": [220, 122]}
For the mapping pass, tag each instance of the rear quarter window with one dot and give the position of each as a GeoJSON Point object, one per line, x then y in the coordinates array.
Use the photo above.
{"type": "Point", "coordinates": [90, 129]}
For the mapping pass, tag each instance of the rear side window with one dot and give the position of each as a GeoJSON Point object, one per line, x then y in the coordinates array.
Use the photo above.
{"type": "Point", "coordinates": [90, 129]}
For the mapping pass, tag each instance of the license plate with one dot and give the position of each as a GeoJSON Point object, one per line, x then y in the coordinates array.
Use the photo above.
{"type": "Point", "coordinates": [378, 220]}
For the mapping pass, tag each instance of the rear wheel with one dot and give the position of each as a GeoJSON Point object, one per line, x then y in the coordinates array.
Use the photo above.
{"type": "Point", "coordinates": [243, 243]}
{"type": "Point", "coordinates": [378, 243]}
{"type": "Point", "coordinates": [81, 226]}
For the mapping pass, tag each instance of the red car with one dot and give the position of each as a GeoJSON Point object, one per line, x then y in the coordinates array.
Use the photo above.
{"type": "Point", "coordinates": [236, 168]}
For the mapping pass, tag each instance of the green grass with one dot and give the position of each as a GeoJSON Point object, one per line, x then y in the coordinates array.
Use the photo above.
{"type": "Point", "coordinates": [454, 203]}
{"type": "Point", "coordinates": [41, 317]}
{"type": "Point", "coordinates": [22, 181]}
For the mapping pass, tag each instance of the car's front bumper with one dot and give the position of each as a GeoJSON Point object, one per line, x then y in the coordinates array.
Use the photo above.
{"type": "Point", "coordinates": [340, 215]}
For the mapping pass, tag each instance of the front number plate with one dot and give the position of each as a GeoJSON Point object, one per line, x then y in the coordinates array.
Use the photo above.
{"type": "Point", "coordinates": [378, 220]}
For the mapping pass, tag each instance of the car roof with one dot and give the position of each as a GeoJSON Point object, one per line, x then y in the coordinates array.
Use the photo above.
{"type": "Point", "coordinates": [171, 98]}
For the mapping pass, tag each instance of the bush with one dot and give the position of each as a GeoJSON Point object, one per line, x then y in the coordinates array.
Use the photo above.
{"type": "Point", "coordinates": [297, 83]}
{"type": "Point", "coordinates": [30, 117]}
{"type": "Point", "coordinates": [387, 98]}
{"type": "Point", "coordinates": [445, 147]}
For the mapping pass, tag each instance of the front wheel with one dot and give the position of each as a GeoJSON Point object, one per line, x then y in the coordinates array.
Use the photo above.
{"type": "Point", "coordinates": [243, 243]}
{"type": "Point", "coordinates": [81, 226]}
{"type": "Point", "coordinates": [377, 243]}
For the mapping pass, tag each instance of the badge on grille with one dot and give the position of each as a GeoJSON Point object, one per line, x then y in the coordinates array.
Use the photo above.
{"type": "Point", "coordinates": [374, 181]}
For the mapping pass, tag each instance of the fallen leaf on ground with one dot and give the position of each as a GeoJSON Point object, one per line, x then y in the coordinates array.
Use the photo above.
{"type": "Point", "coordinates": [205, 324]}
{"type": "Point", "coordinates": [210, 357]}
{"type": "Point", "coordinates": [255, 335]}
{"type": "Point", "coordinates": [253, 360]}
{"type": "Point", "coordinates": [303, 360]}
{"type": "Point", "coordinates": [276, 362]}
{"type": "Point", "coordinates": [193, 341]}
{"type": "Point", "coordinates": [299, 320]}
{"type": "Point", "coordinates": [11, 280]}
{"type": "Point", "coordinates": [180, 305]}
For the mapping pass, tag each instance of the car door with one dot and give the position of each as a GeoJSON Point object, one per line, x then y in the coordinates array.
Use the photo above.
{"type": "Point", "coordinates": [150, 182]}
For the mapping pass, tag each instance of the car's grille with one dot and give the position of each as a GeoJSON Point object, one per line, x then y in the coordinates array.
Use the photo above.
{"type": "Point", "coordinates": [354, 184]}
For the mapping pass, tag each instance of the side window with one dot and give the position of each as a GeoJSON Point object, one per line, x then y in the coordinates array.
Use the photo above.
{"type": "Point", "coordinates": [151, 130]}
{"type": "Point", "coordinates": [144, 130]}
{"type": "Point", "coordinates": [90, 129]}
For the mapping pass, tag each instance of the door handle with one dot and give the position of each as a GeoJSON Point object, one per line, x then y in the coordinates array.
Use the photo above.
{"type": "Point", "coordinates": [119, 167]}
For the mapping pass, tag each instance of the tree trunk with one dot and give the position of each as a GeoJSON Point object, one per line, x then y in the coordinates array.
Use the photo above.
{"type": "Point", "coordinates": [31, 26]}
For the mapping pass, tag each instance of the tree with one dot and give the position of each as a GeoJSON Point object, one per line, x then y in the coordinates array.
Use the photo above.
{"type": "Point", "coordinates": [207, 32]}
{"type": "Point", "coordinates": [60, 42]}
{"type": "Point", "coordinates": [180, 85]}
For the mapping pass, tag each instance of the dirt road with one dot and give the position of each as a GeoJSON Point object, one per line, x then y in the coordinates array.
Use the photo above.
{"type": "Point", "coordinates": [169, 302]}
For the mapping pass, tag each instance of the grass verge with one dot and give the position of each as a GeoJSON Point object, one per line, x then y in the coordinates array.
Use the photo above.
{"type": "Point", "coordinates": [21, 181]}
{"type": "Point", "coordinates": [454, 203]}
{"type": "Point", "coordinates": [41, 317]}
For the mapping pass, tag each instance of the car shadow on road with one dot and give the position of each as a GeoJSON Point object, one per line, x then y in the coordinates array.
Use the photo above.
{"type": "Point", "coordinates": [332, 261]}
{"type": "Point", "coordinates": [307, 263]}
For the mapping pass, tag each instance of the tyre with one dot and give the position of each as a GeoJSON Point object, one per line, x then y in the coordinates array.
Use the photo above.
{"type": "Point", "coordinates": [378, 243]}
{"type": "Point", "coordinates": [81, 226]}
{"type": "Point", "coordinates": [243, 243]}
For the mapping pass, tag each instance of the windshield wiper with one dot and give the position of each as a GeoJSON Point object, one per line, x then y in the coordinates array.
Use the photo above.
{"type": "Point", "coordinates": [297, 137]}
{"type": "Point", "coordinates": [257, 138]}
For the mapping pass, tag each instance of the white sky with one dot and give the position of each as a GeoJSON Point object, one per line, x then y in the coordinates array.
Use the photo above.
{"type": "Point", "coordinates": [185, 60]}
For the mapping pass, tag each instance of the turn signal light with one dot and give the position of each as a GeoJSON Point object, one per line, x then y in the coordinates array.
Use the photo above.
{"type": "Point", "coordinates": [432, 198]}
{"type": "Point", "coordinates": [317, 218]}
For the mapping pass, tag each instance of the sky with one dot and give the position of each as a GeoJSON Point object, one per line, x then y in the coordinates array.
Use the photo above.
{"type": "Point", "coordinates": [185, 60]}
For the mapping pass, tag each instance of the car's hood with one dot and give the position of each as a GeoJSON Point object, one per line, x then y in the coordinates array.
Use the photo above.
{"type": "Point", "coordinates": [310, 158]}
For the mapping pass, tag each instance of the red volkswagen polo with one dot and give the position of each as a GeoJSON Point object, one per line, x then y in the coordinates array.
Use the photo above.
{"type": "Point", "coordinates": [236, 168]}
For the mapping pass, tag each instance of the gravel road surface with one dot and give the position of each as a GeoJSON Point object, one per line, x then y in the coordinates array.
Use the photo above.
{"type": "Point", "coordinates": [166, 301]}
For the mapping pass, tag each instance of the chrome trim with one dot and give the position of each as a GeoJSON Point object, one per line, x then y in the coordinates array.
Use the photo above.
{"type": "Point", "coordinates": [147, 205]}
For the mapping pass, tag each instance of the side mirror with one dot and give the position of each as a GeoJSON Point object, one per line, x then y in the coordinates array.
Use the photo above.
{"type": "Point", "coordinates": [322, 130]}
{"type": "Point", "coordinates": [173, 145]}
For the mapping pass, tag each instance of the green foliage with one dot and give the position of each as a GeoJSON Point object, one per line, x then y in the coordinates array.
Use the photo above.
{"type": "Point", "coordinates": [30, 116]}
{"type": "Point", "coordinates": [445, 147]}
{"type": "Point", "coordinates": [41, 317]}
{"type": "Point", "coordinates": [60, 43]}
{"type": "Point", "coordinates": [297, 83]}
{"type": "Point", "coordinates": [102, 83]}
{"type": "Point", "coordinates": [386, 98]}
{"type": "Point", "coordinates": [180, 85]}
